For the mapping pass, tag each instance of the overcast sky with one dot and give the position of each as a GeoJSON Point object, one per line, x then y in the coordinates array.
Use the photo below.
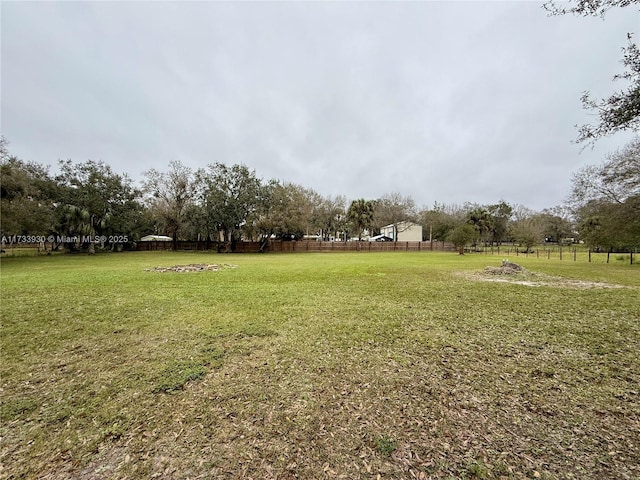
{"type": "Point", "coordinates": [443, 101]}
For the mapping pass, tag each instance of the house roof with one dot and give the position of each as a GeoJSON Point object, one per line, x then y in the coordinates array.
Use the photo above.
{"type": "Point", "coordinates": [156, 238]}
{"type": "Point", "coordinates": [403, 223]}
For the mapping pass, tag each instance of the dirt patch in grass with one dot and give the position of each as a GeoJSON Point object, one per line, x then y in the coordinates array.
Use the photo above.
{"type": "Point", "coordinates": [516, 274]}
{"type": "Point", "coordinates": [193, 267]}
{"type": "Point", "coordinates": [507, 268]}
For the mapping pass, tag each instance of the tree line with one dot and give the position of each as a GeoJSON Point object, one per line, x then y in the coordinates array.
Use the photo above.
{"type": "Point", "coordinates": [222, 204]}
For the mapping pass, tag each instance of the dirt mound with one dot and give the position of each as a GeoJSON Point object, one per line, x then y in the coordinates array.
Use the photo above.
{"type": "Point", "coordinates": [507, 268]}
{"type": "Point", "coordinates": [193, 267]}
{"type": "Point", "coordinates": [517, 275]}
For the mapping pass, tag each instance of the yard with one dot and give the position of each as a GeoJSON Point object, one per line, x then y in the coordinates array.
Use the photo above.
{"type": "Point", "coordinates": [347, 365]}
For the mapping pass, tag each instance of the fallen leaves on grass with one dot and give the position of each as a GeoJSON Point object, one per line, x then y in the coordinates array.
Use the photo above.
{"type": "Point", "coordinates": [306, 367]}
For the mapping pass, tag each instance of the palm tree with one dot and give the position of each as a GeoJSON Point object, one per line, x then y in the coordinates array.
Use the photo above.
{"type": "Point", "coordinates": [361, 214]}
{"type": "Point", "coordinates": [79, 222]}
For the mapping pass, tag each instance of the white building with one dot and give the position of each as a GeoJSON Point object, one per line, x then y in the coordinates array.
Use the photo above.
{"type": "Point", "coordinates": [403, 232]}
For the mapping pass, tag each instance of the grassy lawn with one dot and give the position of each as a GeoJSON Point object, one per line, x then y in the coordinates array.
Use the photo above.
{"type": "Point", "coordinates": [350, 365]}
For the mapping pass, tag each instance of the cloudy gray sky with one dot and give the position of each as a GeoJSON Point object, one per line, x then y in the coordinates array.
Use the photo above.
{"type": "Point", "coordinates": [442, 101]}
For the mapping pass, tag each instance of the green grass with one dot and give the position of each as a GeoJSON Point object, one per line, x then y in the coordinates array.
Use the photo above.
{"type": "Point", "coordinates": [386, 445]}
{"type": "Point", "coordinates": [403, 365]}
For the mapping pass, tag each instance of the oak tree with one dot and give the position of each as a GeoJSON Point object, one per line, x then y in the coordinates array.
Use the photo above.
{"type": "Point", "coordinates": [169, 196]}
{"type": "Point", "coordinates": [606, 199]}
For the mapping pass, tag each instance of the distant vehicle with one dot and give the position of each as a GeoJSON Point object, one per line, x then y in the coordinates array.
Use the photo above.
{"type": "Point", "coordinates": [380, 238]}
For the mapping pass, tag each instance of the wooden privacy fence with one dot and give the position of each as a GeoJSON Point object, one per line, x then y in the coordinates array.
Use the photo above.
{"type": "Point", "coordinates": [315, 246]}
{"type": "Point", "coordinates": [241, 247]}
{"type": "Point", "coordinates": [305, 246]}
